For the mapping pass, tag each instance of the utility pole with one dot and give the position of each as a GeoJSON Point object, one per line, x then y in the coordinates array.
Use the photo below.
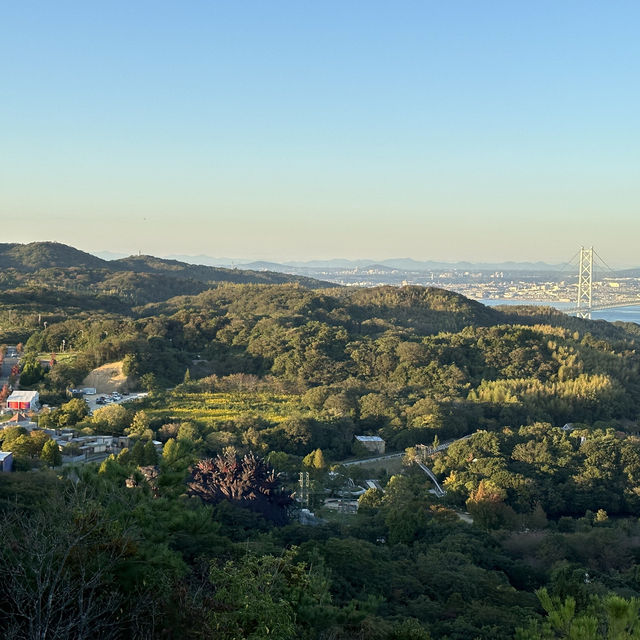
{"type": "Point", "coordinates": [585, 283]}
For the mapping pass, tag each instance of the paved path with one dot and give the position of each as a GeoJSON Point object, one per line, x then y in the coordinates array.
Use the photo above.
{"type": "Point", "coordinates": [390, 456]}
{"type": "Point", "coordinates": [7, 364]}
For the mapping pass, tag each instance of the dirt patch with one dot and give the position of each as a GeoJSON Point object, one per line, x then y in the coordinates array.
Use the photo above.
{"type": "Point", "coordinates": [107, 378]}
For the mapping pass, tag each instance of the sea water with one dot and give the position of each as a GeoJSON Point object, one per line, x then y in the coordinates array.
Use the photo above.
{"type": "Point", "coordinates": [624, 314]}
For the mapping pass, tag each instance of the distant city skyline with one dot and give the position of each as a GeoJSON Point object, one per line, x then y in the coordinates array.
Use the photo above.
{"type": "Point", "coordinates": [480, 132]}
{"type": "Point", "coordinates": [338, 260]}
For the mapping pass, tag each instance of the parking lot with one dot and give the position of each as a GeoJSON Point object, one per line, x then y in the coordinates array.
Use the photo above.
{"type": "Point", "coordinates": [94, 400]}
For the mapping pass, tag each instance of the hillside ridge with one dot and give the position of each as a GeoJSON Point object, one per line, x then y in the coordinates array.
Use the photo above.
{"type": "Point", "coordinates": [36, 256]}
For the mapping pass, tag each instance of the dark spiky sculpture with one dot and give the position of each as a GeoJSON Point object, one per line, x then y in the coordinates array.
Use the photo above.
{"type": "Point", "coordinates": [248, 482]}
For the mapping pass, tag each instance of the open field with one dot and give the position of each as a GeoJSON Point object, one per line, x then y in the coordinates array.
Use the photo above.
{"type": "Point", "coordinates": [390, 465]}
{"type": "Point", "coordinates": [67, 357]}
{"type": "Point", "coordinates": [217, 409]}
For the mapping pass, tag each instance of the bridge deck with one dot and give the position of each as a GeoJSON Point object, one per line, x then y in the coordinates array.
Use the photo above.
{"type": "Point", "coordinates": [601, 307]}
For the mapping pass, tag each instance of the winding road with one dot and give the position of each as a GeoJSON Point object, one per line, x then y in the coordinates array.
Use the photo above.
{"type": "Point", "coordinates": [390, 456]}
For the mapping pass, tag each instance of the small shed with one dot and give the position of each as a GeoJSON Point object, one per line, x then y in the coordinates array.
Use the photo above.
{"type": "Point", "coordinates": [375, 444]}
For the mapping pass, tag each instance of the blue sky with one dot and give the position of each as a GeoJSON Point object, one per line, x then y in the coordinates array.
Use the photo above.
{"type": "Point", "coordinates": [292, 130]}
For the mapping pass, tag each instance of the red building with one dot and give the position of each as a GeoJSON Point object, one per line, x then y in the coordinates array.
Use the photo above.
{"type": "Point", "coordinates": [23, 401]}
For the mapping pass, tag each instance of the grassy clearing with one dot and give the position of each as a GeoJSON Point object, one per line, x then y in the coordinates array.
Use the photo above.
{"type": "Point", "coordinates": [216, 409]}
{"type": "Point", "coordinates": [67, 357]}
{"type": "Point", "coordinates": [391, 466]}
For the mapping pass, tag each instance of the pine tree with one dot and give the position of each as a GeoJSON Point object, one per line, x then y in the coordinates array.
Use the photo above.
{"type": "Point", "coordinates": [137, 453]}
{"type": "Point", "coordinates": [139, 426]}
{"type": "Point", "coordinates": [51, 455]}
{"type": "Point", "coordinates": [176, 454]}
{"type": "Point", "coordinates": [150, 455]}
{"type": "Point", "coordinates": [124, 457]}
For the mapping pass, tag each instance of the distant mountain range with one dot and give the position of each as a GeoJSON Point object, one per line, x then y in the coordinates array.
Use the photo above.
{"type": "Point", "coordinates": [629, 273]}
{"type": "Point", "coordinates": [408, 265]}
{"type": "Point", "coordinates": [335, 264]}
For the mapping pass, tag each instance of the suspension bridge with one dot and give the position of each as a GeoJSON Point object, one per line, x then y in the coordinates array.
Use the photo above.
{"type": "Point", "coordinates": [585, 300]}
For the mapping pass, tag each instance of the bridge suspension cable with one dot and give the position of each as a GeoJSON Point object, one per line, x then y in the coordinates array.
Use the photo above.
{"type": "Point", "coordinates": [585, 303]}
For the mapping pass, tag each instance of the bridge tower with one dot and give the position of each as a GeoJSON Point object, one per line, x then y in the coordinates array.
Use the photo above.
{"type": "Point", "coordinates": [585, 283]}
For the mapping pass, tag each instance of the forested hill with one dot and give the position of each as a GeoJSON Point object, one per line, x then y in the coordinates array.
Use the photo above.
{"type": "Point", "coordinates": [242, 373]}
{"type": "Point", "coordinates": [27, 258]}
{"type": "Point", "coordinates": [409, 310]}
{"type": "Point", "coordinates": [119, 284]}
{"type": "Point", "coordinates": [410, 362]}
{"type": "Point", "coordinates": [203, 273]}
{"type": "Point", "coordinates": [32, 257]}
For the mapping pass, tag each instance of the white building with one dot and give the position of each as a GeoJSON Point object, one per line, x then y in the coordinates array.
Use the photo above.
{"type": "Point", "coordinates": [375, 444]}
{"type": "Point", "coordinates": [23, 401]}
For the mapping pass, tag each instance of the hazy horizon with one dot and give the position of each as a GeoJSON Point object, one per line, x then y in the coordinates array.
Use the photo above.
{"type": "Point", "coordinates": [481, 132]}
{"type": "Point", "coordinates": [109, 254]}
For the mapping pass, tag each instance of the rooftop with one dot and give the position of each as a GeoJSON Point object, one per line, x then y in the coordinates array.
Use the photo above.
{"type": "Point", "coordinates": [369, 439]}
{"type": "Point", "coordinates": [22, 396]}
{"type": "Point", "coordinates": [19, 417]}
